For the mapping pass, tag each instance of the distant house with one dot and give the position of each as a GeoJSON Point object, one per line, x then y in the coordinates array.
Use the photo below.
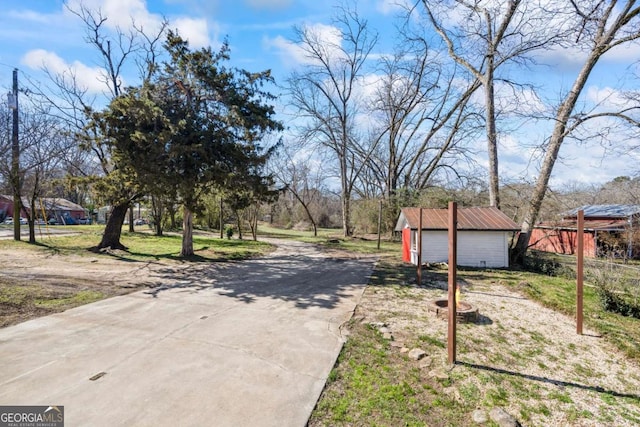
{"type": "Point", "coordinates": [61, 210]}
{"type": "Point", "coordinates": [608, 229]}
{"type": "Point", "coordinates": [483, 236]}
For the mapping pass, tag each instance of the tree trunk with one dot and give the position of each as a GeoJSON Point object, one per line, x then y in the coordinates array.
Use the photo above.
{"type": "Point", "coordinates": [221, 218]}
{"type": "Point", "coordinates": [157, 212]}
{"type": "Point", "coordinates": [131, 229]}
{"type": "Point", "coordinates": [187, 233]}
{"type": "Point", "coordinates": [172, 216]}
{"type": "Point", "coordinates": [31, 218]}
{"type": "Point", "coordinates": [492, 138]}
{"type": "Point", "coordinates": [239, 222]}
{"type": "Point", "coordinates": [113, 229]}
{"type": "Point", "coordinates": [346, 198]}
{"type": "Point", "coordinates": [557, 137]}
{"type": "Point", "coordinates": [253, 221]}
{"type": "Point", "coordinates": [305, 206]}
{"type": "Point", "coordinates": [346, 215]}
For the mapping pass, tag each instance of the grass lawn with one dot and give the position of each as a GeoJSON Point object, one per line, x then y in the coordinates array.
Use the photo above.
{"type": "Point", "coordinates": [144, 246]}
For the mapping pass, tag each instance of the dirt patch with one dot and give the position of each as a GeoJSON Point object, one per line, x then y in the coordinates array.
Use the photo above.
{"type": "Point", "coordinates": [34, 284]}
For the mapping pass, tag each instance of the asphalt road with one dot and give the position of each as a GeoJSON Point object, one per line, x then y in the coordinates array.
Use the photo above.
{"type": "Point", "coordinates": [6, 231]}
{"type": "Point", "coordinates": [240, 344]}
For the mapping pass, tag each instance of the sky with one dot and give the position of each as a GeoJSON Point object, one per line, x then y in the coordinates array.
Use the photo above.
{"type": "Point", "coordinates": [34, 33]}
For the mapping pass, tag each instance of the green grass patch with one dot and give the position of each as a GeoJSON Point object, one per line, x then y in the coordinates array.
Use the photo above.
{"type": "Point", "coordinates": [145, 246]}
{"type": "Point", "coordinates": [377, 385]}
{"type": "Point", "coordinates": [333, 238]}
{"type": "Point", "coordinates": [20, 300]}
{"type": "Point", "coordinates": [73, 300]}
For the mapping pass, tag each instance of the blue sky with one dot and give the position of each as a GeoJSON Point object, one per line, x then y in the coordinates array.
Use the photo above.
{"type": "Point", "coordinates": [35, 32]}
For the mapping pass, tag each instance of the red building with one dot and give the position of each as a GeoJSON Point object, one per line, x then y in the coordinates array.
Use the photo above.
{"type": "Point", "coordinates": [608, 230]}
{"type": "Point", "coordinates": [47, 208]}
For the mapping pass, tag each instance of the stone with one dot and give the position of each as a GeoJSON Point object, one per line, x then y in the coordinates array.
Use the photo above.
{"type": "Point", "coordinates": [388, 336]}
{"type": "Point", "coordinates": [384, 330]}
{"type": "Point", "coordinates": [453, 393]}
{"type": "Point", "coordinates": [396, 344]}
{"type": "Point", "coordinates": [417, 354]}
{"type": "Point", "coordinates": [479, 416]}
{"type": "Point", "coordinates": [426, 362]}
{"type": "Point", "coordinates": [439, 375]}
{"type": "Point", "coordinates": [404, 350]}
{"type": "Point", "coordinates": [503, 418]}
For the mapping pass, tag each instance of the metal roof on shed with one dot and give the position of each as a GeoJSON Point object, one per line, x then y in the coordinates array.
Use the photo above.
{"type": "Point", "coordinates": [476, 218]}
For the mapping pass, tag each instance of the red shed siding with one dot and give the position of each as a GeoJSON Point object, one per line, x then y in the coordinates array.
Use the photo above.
{"type": "Point", "coordinates": [406, 245]}
{"type": "Point", "coordinates": [561, 241]}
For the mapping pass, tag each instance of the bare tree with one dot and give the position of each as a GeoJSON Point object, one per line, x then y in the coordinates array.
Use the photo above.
{"type": "Point", "coordinates": [44, 142]}
{"type": "Point", "coordinates": [599, 27]}
{"type": "Point", "coordinates": [302, 177]}
{"type": "Point", "coordinates": [425, 117]}
{"type": "Point", "coordinates": [487, 36]}
{"type": "Point", "coordinates": [325, 94]}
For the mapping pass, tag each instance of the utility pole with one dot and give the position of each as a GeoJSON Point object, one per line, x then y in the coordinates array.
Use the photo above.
{"type": "Point", "coordinates": [15, 159]}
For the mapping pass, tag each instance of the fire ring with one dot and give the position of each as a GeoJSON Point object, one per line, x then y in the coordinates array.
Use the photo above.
{"type": "Point", "coordinates": [465, 312]}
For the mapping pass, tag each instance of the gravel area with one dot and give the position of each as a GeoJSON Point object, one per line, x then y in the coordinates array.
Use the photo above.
{"type": "Point", "coordinates": [580, 379]}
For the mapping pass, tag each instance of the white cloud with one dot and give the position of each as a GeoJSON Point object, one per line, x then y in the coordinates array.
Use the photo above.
{"type": "Point", "coordinates": [123, 14]}
{"type": "Point", "coordinates": [120, 13]}
{"type": "Point", "coordinates": [388, 7]}
{"type": "Point", "coordinates": [90, 78]}
{"type": "Point", "coordinates": [196, 31]}
{"type": "Point", "coordinates": [607, 98]}
{"type": "Point", "coordinates": [327, 37]}
{"type": "Point", "coordinates": [290, 53]}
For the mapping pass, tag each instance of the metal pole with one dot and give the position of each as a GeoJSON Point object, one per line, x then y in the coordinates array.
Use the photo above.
{"type": "Point", "coordinates": [453, 260]}
{"type": "Point", "coordinates": [580, 273]}
{"type": "Point", "coordinates": [15, 161]}
{"type": "Point", "coordinates": [419, 234]}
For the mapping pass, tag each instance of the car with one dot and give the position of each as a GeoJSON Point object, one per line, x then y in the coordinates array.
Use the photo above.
{"type": "Point", "coordinates": [23, 221]}
{"type": "Point", "coordinates": [83, 221]}
{"type": "Point", "coordinates": [52, 221]}
{"type": "Point", "coordinates": [8, 220]}
{"type": "Point", "coordinates": [140, 221]}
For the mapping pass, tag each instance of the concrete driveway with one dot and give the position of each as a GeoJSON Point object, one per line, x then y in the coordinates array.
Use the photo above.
{"type": "Point", "coordinates": [238, 344]}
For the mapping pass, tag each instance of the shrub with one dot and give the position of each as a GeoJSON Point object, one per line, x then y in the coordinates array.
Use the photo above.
{"type": "Point", "coordinates": [228, 232]}
{"type": "Point", "coordinates": [617, 293]}
{"type": "Point", "coordinates": [546, 264]}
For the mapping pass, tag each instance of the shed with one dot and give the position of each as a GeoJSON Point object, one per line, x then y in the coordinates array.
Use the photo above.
{"type": "Point", "coordinates": [608, 229]}
{"type": "Point", "coordinates": [483, 236]}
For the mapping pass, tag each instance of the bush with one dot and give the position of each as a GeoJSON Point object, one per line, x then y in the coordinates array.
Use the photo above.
{"type": "Point", "coordinates": [228, 232]}
{"type": "Point", "coordinates": [546, 264]}
{"type": "Point", "coordinates": [617, 302]}
{"type": "Point", "coordinates": [617, 293]}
